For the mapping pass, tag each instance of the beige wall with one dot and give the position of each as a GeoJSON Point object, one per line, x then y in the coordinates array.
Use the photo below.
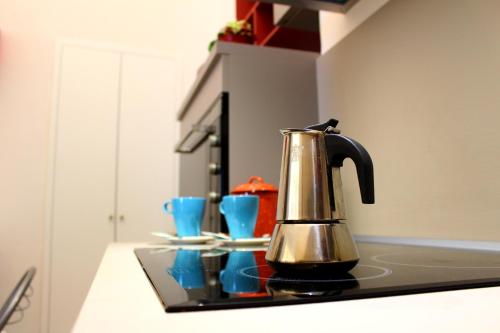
{"type": "Point", "coordinates": [29, 30]}
{"type": "Point", "coordinates": [418, 84]}
{"type": "Point", "coordinates": [335, 26]}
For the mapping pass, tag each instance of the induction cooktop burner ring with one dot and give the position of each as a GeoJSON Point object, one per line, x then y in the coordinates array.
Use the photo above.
{"type": "Point", "coordinates": [383, 273]}
{"type": "Point", "coordinates": [377, 258]}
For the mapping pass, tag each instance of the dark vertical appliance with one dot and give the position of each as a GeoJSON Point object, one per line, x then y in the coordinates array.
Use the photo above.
{"type": "Point", "coordinates": [204, 161]}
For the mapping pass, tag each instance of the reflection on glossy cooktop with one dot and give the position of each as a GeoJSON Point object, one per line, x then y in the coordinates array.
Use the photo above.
{"type": "Point", "coordinates": [188, 279]}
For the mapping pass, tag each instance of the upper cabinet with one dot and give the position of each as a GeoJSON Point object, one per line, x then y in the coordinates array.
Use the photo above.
{"type": "Point", "coordinates": [269, 31]}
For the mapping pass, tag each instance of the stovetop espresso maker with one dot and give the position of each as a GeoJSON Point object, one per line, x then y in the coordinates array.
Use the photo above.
{"type": "Point", "coordinates": [310, 233]}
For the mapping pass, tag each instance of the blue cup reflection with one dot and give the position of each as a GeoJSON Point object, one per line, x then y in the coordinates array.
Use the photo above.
{"type": "Point", "coordinates": [188, 269]}
{"type": "Point", "coordinates": [235, 282]}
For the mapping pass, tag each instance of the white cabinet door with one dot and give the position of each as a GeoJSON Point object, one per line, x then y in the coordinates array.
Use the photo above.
{"type": "Point", "coordinates": [83, 178]}
{"type": "Point", "coordinates": [148, 132]}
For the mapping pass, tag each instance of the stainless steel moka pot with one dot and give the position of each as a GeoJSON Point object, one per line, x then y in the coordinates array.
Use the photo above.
{"type": "Point", "coordinates": [310, 233]}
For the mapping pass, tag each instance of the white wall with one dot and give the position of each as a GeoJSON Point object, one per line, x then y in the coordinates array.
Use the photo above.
{"type": "Point", "coordinates": [418, 84]}
{"type": "Point", "coordinates": [335, 26]}
{"type": "Point", "coordinates": [29, 31]}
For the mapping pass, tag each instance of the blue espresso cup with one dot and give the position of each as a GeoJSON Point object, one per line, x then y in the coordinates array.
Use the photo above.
{"type": "Point", "coordinates": [188, 214]}
{"type": "Point", "coordinates": [241, 214]}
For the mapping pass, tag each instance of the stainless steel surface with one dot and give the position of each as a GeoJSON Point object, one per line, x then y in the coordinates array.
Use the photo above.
{"type": "Point", "coordinates": [312, 244]}
{"type": "Point", "coordinates": [303, 191]}
{"type": "Point", "coordinates": [214, 168]}
{"type": "Point", "coordinates": [214, 140]}
{"type": "Point", "coordinates": [214, 197]}
{"type": "Point", "coordinates": [193, 138]}
{"type": "Point", "coordinates": [309, 233]}
{"type": "Point", "coordinates": [338, 212]}
{"type": "Point", "coordinates": [218, 235]}
{"type": "Point", "coordinates": [13, 302]}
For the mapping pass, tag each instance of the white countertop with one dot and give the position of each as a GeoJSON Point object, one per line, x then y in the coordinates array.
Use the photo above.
{"type": "Point", "coordinates": [121, 299]}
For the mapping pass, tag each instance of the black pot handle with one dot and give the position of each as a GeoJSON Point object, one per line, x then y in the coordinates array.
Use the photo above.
{"type": "Point", "coordinates": [324, 126]}
{"type": "Point", "coordinates": [340, 147]}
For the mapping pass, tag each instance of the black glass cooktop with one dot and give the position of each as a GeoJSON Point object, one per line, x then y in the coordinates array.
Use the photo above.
{"type": "Point", "coordinates": [188, 279]}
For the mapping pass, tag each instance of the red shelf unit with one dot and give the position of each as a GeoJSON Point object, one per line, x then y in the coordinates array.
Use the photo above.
{"type": "Point", "coordinates": [260, 15]}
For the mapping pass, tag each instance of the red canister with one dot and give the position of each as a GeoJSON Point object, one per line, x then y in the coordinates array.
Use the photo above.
{"type": "Point", "coordinates": [268, 200]}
